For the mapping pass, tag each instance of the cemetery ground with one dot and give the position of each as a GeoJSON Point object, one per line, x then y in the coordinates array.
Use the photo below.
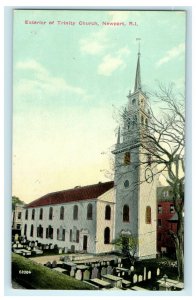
{"type": "Point", "coordinates": [38, 266]}
{"type": "Point", "coordinates": [88, 272]}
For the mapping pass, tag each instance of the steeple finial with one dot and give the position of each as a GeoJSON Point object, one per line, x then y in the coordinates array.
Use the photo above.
{"type": "Point", "coordinates": [138, 75]}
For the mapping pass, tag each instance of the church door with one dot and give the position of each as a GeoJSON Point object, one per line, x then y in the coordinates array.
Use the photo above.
{"type": "Point", "coordinates": [85, 240]}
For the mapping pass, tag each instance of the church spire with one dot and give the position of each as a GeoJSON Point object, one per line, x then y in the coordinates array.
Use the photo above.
{"type": "Point", "coordinates": [138, 75]}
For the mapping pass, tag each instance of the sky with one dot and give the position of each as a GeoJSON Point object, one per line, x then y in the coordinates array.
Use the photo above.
{"type": "Point", "coordinates": [70, 80]}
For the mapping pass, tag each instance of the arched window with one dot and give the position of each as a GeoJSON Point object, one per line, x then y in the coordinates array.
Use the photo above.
{"type": "Point", "coordinates": [142, 120]}
{"type": "Point", "coordinates": [75, 212]}
{"type": "Point", "coordinates": [133, 101]}
{"type": "Point", "coordinates": [50, 213]}
{"type": "Point", "coordinates": [125, 213]}
{"type": "Point", "coordinates": [25, 230]}
{"type": "Point", "coordinates": [89, 211]}
{"type": "Point", "coordinates": [33, 214]}
{"type": "Point", "coordinates": [107, 235]}
{"type": "Point", "coordinates": [32, 229]}
{"type": "Point", "coordinates": [41, 214]}
{"type": "Point", "coordinates": [107, 212]}
{"type": "Point", "coordinates": [127, 158]}
{"type": "Point", "coordinates": [40, 231]}
{"type": "Point", "coordinates": [26, 214]}
{"type": "Point", "coordinates": [49, 232]}
{"type": "Point", "coordinates": [62, 213]}
{"type": "Point", "coordinates": [148, 215]}
{"type": "Point", "coordinates": [146, 122]}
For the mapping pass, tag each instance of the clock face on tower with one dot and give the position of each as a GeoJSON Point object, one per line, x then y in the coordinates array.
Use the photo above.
{"type": "Point", "coordinates": [148, 175]}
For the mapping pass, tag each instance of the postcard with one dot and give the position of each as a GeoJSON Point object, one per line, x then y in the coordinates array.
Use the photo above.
{"type": "Point", "coordinates": [98, 150]}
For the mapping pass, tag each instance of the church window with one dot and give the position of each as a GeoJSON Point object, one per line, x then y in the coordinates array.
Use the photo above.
{"type": "Point", "coordinates": [62, 213]}
{"type": "Point", "coordinates": [50, 213]}
{"type": "Point", "coordinates": [32, 229]}
{"type": "Point", "coordinates": [49, 232]}
{"type": "Point", "coordinates": [127, 158]}
{"type": "Point", "coordinates": [33, 214]}
{"type": "Point", "coordinates": [25, 230]}
{"type": "Point", "coordinates": [148, 215]}
{"type": "Point", "coordinates": [19, 215]}
{"type": "Point", "coordinates": [146, 122]}
{"type": "Point", "coordinates": [41, 214]}
{"type": "Point", "coordinates": [75, 212]}
{"type": "Point", "coordinates": [125, 213]}
{"type": "Point", "coordinates": [70, 235]}
{"type": "Point", "coordinates": [107, 212]}
{"type": "Point", "coordinates": [142, 120]}
{"type": "Point", "coordinates": [107, 235]}
{"type": "Point", "coordinates": [89, 212]}
{"type": "Point", "coordinates": [57, 232]}
{"type": "Point", "coordinates": [128, 123]}
{"type": "Point", "coordinates": [40, 231]}
{"type": "Point", "coordinates": [63, 235]}
{"type": "Point", "coordinates": [77, 236]}
{"type": "Point", "coordinates": [149, 159]}
{"type": "Point", "coordinates": [126, 183]}
{"type": "Point", "coordinates": [133, 101]}
{"type": "Point", "coordinates": [26, 214]}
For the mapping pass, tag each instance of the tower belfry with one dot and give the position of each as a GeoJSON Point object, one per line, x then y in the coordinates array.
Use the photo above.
{"type": "Point", "coordinates": [135, 196]}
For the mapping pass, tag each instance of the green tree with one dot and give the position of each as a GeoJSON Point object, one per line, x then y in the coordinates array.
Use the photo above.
{"type": "Point", "coordinates": [16, 200]}
{"type": "Point", "coordinates": [127, 244]}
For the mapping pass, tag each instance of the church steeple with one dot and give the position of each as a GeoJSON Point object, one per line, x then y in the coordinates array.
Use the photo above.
{"type": "Point", "coordinates": [138, 75]}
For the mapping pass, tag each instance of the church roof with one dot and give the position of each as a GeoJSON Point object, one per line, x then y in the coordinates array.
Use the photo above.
{"type": "Point", "coordinates": [75, 194]}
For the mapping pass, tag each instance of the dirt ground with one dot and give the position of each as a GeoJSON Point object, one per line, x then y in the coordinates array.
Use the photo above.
{"type": "Point", "coordinates": [44, 259]}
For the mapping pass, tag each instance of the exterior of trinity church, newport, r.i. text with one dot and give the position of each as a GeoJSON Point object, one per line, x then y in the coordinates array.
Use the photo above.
{"type": "Point", "coordinates": [90, 218]}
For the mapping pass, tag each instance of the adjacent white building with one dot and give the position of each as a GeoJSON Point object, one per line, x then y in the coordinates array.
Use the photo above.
{"type": "Point", "coordinates": [89, 218]}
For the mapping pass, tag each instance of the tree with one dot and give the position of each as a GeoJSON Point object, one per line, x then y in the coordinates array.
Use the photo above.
{"type": "Point", "coordinates": [164, 139]}
{"type": "Point", "coordinates": [16, 200]}
{"type": "Point", "coordinates": [128, 244]}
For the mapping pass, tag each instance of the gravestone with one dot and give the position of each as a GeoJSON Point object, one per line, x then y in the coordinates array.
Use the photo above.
{"type": "Point", "coordinates": [60, 250]}
{"type": "Point", "coordinates": [103, 271]}
{"type": "Point", "coordinates": [86, 275]}
{"type": "Point", "coordinates": [134, 278]}
{"type": "Point", "coordinates": [54, 264]}
{"type": "Point", "coordinates": [109, 270]}
{"type": "Point", "coordinates": [35, 244]}
{"type": "Point", "coordinates": [144, 273]}
{"type": "Point", "coordinates": [149, 274]}
{"type": "Point", "coordinates": [48, 264]}
{"type": "Point", "coordinates": [51, 247]}
{"type": "Point", "coordinates": [78, 275]}
{"type": "Point", "coordinates": [140, 278]}
{"type": "Point", "coordinates": [158, 271]}
{"type": "Point", "coordinates": [72, 272]}
{"type": "Point", "coordinates": [94, 273]}
{"type": "Point", "coordinates": [132, 268]}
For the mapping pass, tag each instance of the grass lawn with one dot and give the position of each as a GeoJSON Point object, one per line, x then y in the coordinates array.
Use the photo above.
{"type": "Point", "coordinates": [35, 276]}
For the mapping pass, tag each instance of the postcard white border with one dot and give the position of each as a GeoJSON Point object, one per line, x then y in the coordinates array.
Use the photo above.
{"type": "Point", "coordinates": [8, 5]}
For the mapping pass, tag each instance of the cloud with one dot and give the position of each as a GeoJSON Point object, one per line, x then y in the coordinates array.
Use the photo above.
{"type": "Point", "coordinates": [42, 80]}
{"type": "Point", "coordinates": [111, 63]}
{"type": "Point", "coordinates": [172, 53]}
{"type": "Point", "coordinates": [96, 43]}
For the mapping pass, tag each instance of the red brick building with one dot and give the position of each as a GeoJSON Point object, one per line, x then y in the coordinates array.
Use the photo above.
{"type": "Point", "coordinates": [166, 220]}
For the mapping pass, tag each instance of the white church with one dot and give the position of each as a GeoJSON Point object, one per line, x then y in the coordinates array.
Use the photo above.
{"type": "Point", "coordinates": [89, 218]}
